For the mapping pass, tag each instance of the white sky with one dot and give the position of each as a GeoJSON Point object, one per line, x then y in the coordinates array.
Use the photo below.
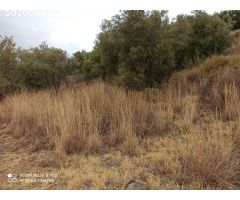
{"type": "Point", "coordinates": [69, 30]}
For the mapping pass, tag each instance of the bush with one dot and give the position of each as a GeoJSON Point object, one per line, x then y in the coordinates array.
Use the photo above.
{"type": "Point", "coordinates": [209, 35]}
{"type": "Point", "coordinates": [232, 17]}
{"type": "Point", "coordinates": [136, 45]}
{"type": "Point", "coordinates": [135, 48]}
{"type": "Point", "coordinates": [8, 62]}
{"type": "Point", "coordinates": [43, 67]}
{"type": "Point", "coordinates": [37, 68]}
{"type": "Point", "coordinates": [143, 47]}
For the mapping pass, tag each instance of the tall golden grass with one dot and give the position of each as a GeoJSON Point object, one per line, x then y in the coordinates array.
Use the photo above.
{"type": "Point", "coordinates": [94, 117]}
{"type": "Point", "coordinates": [196, 117]}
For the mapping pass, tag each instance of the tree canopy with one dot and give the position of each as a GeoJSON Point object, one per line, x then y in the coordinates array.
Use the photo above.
{"type": "Point", "coordinates": [140, 48]}
{"type": "Point", "coordinates": [135, 48]}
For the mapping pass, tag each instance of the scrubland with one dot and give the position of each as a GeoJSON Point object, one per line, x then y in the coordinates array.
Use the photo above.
{"type": "Point", "coordinates": [183, 135]}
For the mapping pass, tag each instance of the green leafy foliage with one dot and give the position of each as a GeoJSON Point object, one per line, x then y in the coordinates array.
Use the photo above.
{"type": "Point", "coordinates": [135, 48]}
{"type": "Point", "coordinates": [8, 62]}
{"type": "Point", "coordinates": [141, 48]}
{"type": "Point", "coordinates": [43, 67]}
{"type": "Point", "coordinates": [231, 17]}
{"type": "Point", "coordinates": [37, 68]}
{"type": "Point", "coordinates": [210, 35]}
{"type": "Point", "coordinates": [86, 64]}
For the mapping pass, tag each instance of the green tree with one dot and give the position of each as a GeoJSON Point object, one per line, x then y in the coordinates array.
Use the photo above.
{"type": "Point", "coordinates": [86, 64]}
{"type": "Point", "coordinates": [8, 62]}
{"type": "Point", "coordinates": [140, 48]}
{"type": "Point", "coordinates": [198, 36]}
{"type": "Point", "coordinates": [181, 29]}
{"type": "Point", "coordinates": [136, 46]}
{"type": "Point", "coordinates": [80, 57]}
{"type": "Point", "coordinates": [209, 35]}
{"type": "Point", "coordinates": [231, 17]}
{"type": "Point", "coordinates": [43, 66]}
{"type": "Point", "coordinates": [8, 55]}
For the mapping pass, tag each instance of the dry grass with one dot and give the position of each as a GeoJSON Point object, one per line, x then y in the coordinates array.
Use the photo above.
{"type": "Point", "coordinates": [94, 117]}
{"type": "Point", "coordinates": [183, 136]}
{"type": "Point", "coordinates": [89, 119]}
{"type": "Point", "coordinates": [235, 48]}
{"type": "Point", "coordinates": [208, 161]}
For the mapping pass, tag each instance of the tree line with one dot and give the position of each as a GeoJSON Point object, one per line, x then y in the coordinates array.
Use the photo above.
{"type": "Point", "coordinates": [135, 49]}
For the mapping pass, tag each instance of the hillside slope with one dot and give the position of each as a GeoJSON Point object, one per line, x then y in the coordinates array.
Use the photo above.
{"type": "Point", "coordinates": [98, 136]}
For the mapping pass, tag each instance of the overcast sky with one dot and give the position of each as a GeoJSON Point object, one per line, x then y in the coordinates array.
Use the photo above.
{"type": "Point", "coordinates": [69, 30]}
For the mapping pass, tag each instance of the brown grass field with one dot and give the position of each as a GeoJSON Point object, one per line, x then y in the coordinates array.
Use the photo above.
{"type": "Point", "coordinates": [184, 135]}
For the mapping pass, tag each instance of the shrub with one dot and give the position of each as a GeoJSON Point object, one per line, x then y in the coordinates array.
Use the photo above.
{"type": "Point", "coordinates": [136, 45]}
{"type": "Point", "coordinates": [142, 48]}
{"type": "Point", "coordinates": [232, 17]}
{"type": "Point", "coordinates": [209, 35]}
{"type": "Point", "coordinates": [43, 67]}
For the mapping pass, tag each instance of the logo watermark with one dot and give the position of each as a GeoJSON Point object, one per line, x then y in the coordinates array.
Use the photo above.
{"type": "Point", "coordinates": [25, 13]}
{"type": "Point", "coordinates": [34, 13]}
{"type": "Point", "coordinates": [32, 177]}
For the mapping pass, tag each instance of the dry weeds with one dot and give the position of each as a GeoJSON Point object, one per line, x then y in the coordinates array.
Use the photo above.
{"type": "Point", "coordinates": [98, 136]}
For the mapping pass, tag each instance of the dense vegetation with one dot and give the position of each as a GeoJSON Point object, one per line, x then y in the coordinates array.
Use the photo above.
{"type": "Point", "coordinates": [136, 49]}
{"type": "Point", "coordinates": [96, 135]}
{"type": "Point", "coordinates": [232, 17]}
{"type": "Point", "coordinates": [99, 136]}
